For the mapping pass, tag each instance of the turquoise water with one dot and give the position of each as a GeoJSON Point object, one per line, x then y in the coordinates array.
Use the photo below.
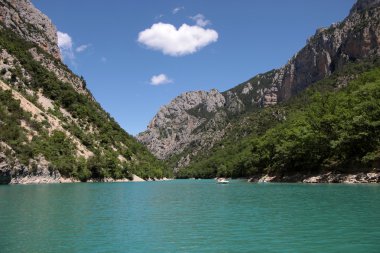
{"type": "Point", "coordinates": [189, 216]}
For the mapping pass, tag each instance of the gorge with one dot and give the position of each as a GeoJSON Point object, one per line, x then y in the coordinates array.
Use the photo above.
{"type": "Point", "coordinates": [187, 130]}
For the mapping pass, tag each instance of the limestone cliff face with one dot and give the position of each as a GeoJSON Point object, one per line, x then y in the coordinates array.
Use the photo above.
{"type": "Point", "coordinates": [23, 18]}
{"type": "Point", "coordinates": [172, 129]}
{"type": "Point", "coordinates": [355, 38]}
{"type": "Point", "coordinates": [28, 22]}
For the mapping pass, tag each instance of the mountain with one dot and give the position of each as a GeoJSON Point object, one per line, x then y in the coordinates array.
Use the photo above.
{"type": "Point", "coordinates": [191, 124]}
{"type": "Point", "coordinates": [51, 127]}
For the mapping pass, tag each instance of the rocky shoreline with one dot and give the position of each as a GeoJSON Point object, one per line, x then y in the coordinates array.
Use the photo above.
{"type": "Point", "coordinates": [41, 173]}
{"type": "Point", "coordinates": [329, 177]}
{"type": "Point", "coordinates": [59, 180]}
{"type": "Point", "coordinates": [31, 179]}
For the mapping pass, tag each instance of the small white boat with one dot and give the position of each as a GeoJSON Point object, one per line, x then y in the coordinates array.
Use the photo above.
{"type": "Point", "coordinates": [222, 181]}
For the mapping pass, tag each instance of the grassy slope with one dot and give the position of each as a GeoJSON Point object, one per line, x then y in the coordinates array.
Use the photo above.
{"type": "Point", "coordinates": [107, 142]}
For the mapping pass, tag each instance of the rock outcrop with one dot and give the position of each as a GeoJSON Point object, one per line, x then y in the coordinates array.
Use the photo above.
{"type": "Point", "coordinates": [23, 18]}
{"type": "Point", "coordinates": [175, 129]}
{"type": "Point", "coordinates": [37, 172]}
{"type": "Point", "coordinates": [5, 169]}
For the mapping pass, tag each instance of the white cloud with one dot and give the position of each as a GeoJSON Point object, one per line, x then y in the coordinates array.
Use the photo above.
{"type": "Point", "coordinates": [64, 40]}
{"type": "Point", "coordinates": [176, 10]}
{"type": "Point", "coordinates": [201, 20]}
{"type": "Point", "coordinates": [65, 44]}
{"type": "Point", "coordinates": [160, 79]}
{"type": "Point", "coordinates": [82, 48]}
{"type": "Point", "coordinates": [170, 41]}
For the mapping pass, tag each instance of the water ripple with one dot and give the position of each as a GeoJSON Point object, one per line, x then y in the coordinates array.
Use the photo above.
{"type": "Point", "coordinates": [189, 216]}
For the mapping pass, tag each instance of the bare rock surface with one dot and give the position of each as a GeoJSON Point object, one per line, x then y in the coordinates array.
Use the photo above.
{"type": "Point", "coordinates": [329, 177]}
{"type": "Point", "coordinates": [38, 172]}
{"type": "Point", "coordinates": [31, 24]}
{"type": "Point", "coordinates": [174, 127]}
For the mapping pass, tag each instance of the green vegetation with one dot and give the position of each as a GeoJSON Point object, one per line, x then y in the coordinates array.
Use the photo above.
{"type": "Point", "coordinates": [11, 131]}
{"type": "Point", "coordinates": [95, 128]}
{"type": "Point", "coordinates": [322, 129]}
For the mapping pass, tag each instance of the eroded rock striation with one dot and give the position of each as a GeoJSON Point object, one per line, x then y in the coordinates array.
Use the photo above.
{"type": "Point", "coordinates": [196, 118]}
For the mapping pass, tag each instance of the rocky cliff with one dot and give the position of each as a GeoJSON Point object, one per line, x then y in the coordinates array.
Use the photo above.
{"type": "Point", "coordinates": [186, 125]}
{"type": "Point", "coordinates": [51, 128]}
{"type": "Point", "coordinates": [28, 22]}
{"type": "Point", "coordinates": [175, 125]}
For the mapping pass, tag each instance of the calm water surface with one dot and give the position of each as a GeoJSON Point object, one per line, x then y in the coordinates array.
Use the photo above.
{"type": "Point", "coordinates": [189, 216]}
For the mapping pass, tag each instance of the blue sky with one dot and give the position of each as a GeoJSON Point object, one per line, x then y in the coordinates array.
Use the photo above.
{"type": "Point", "coordinates": [138, 55]}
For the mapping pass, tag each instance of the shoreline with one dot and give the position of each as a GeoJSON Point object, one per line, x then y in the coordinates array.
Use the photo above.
{"type": "Point", "coordinates": [29, 180]}
{"type": "Point", "coordinates": [328, 177]}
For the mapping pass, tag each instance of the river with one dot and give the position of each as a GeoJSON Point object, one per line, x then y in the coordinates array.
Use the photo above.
{"type": "Point", "coordinates": [189, 216]}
